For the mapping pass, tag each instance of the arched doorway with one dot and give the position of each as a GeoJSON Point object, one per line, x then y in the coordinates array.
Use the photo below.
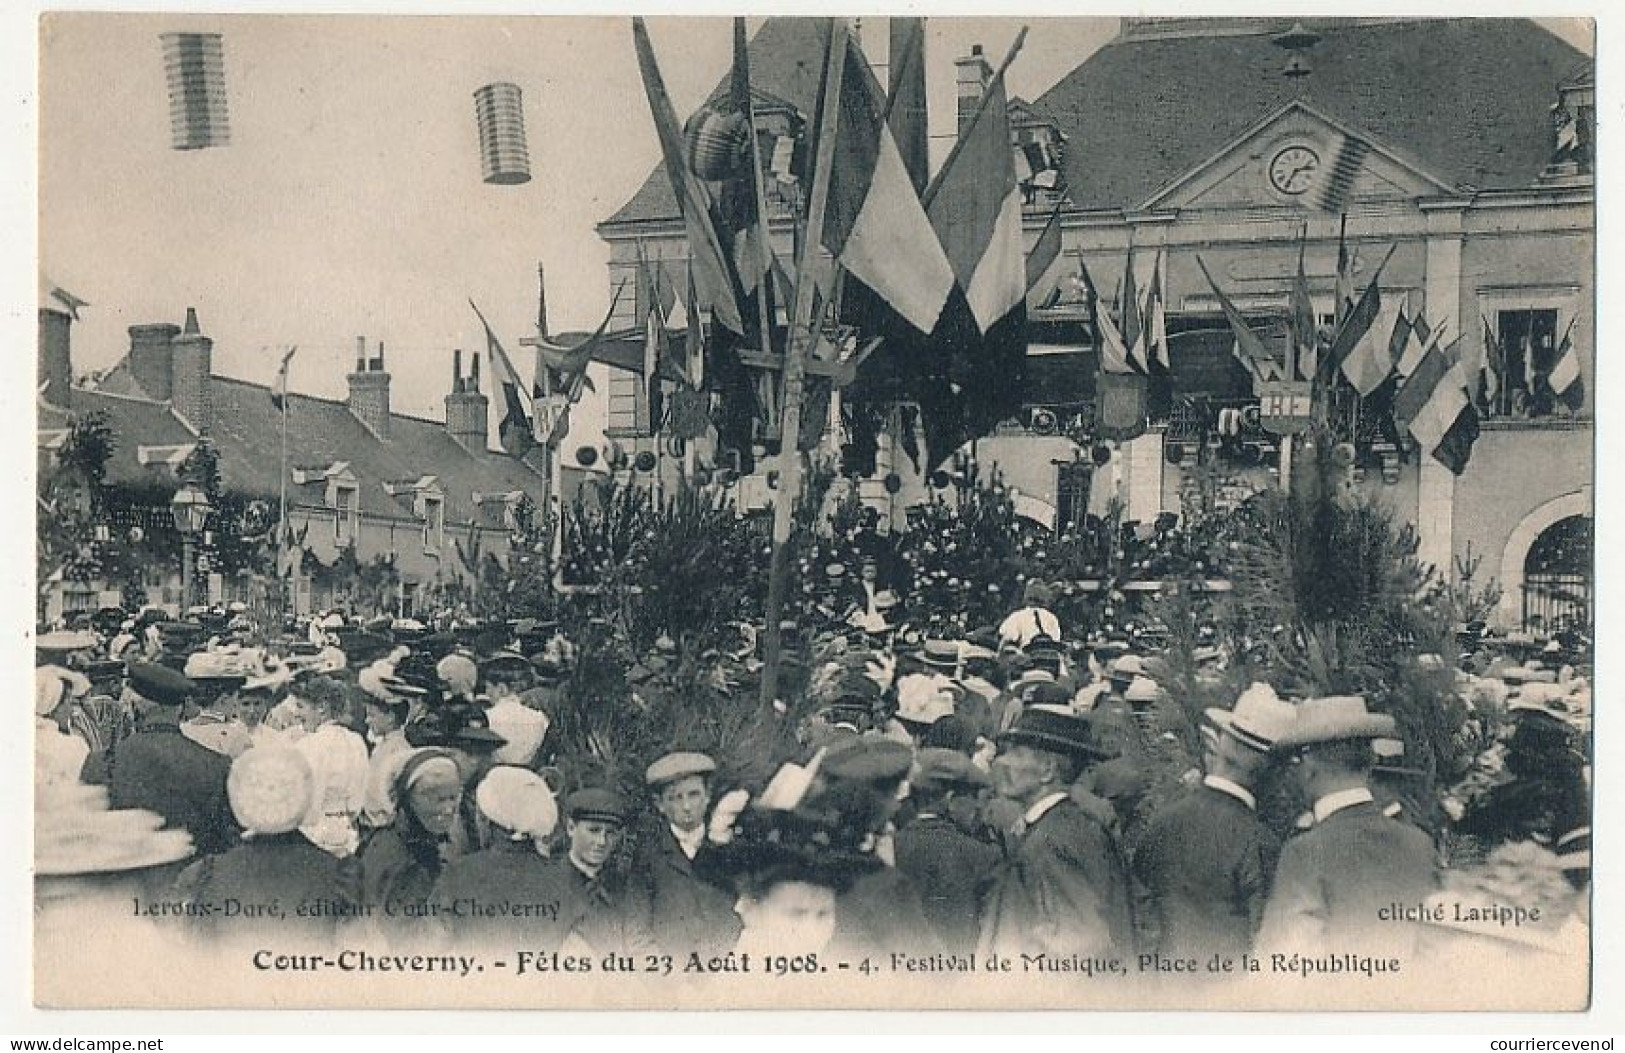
{"type": "Point", "coordinates": [1556, 591]}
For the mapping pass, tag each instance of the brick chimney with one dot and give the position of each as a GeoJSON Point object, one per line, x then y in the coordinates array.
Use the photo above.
{"type": "Point", "coordinates": [150, 357]}
{"type": "Point", "coordinates": [972, 74]}
{"type": "Point", "coordinates": [467, 410]}
{"type": "Point", "coordinates": [191, 372]}
{"type": "Point", "coordinates": [369, 390]}
{"type": "Point", "coordinates": [55, 356]}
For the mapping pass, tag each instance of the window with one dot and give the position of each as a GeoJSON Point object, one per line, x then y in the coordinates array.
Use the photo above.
{"type": "Point", "coordinates": [625, 403]}
{"type": "Point", "coordinates": [1071, 495]}
{"type": "Point", "coordinates": [1525, 351]}
{"type": "Point", "coordinates": [347, 506]}
{"type": "Point", "coordinates": [434, 524]}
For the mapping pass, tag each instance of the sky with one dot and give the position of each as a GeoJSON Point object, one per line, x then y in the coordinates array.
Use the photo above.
{"type": "Point", "coordinates": [350, 199]}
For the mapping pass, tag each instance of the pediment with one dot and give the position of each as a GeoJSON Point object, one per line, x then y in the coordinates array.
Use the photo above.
{"type": "Point", "coordinates": [1240, 175]}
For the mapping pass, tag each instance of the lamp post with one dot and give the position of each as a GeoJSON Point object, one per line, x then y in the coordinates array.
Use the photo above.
{"type": "Point", "coordinates": [190, 507]}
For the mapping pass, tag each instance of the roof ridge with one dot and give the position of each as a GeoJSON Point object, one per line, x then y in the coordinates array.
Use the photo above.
{"type": "Point", "coordinates": [394, 414]}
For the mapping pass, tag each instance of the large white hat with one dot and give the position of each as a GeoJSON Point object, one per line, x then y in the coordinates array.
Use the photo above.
{"type": "Point", "coordinates": [519, 801]}
{"type": "Point", "coordinates": [923, 698]}
{"type": "Point", "coordinates": [1260, 719]}
{"type": "Point", "coordinates": [270, 789]}
{"type": "Point", "coordinates": [522, 726]}
{"type": "Point", "coordinates": [1142, 689]}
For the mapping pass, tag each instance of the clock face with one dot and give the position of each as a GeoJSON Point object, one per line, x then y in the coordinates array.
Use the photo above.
{"type": "Point", "coordinates": [1293, 170]}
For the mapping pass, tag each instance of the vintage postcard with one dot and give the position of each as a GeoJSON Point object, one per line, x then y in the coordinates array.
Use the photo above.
{"type": "Point", "coordinates": [885, 512]}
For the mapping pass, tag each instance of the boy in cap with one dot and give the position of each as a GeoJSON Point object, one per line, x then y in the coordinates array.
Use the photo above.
{"type": "Point", "coordinates": [599, 907]}
{"type": "Point", "coordinates": [1032, 619]}
{"type": "Point", "coordinates": [1334, 878]}
{"type": "Point", "coordinates": [1206, 859]}
{"type": "Point", "coordinates": [1063, 888]}
{"type": "Point", "coordinates": [936, 851]}
{"type": "Point", "coordinates": [159, 769]}
{"type": "Point", "coordinates": [687, 913]}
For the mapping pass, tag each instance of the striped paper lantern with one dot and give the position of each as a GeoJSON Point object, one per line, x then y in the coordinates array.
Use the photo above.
{"type": "Point", "coordinates": [194, 65]}
{"type": "Point", "coordinates": [718, 144]}
{"type": "Point", "coordinates": [500, 110]}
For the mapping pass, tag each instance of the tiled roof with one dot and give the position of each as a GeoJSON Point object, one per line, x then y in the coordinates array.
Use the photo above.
{"type": "Point", "coordinates": [246, 431]}
{"type": "Point", "coordinates": [136, 422]}
{"type": "Point", "coordinates": [1467, 98]}
{"type": "Point", "coordinates": [785, 59]}
{"type": "Point", "coordinates": [247, 428]}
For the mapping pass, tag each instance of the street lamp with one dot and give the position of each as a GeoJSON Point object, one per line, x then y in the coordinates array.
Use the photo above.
{"type": "Point", "coordinates": [190, 507]}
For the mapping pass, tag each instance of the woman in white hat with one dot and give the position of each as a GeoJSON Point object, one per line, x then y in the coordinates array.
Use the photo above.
{"type": "Point", "coordinates": [275, 880]}
{"type": "Point", "coordinates": [509, 878]}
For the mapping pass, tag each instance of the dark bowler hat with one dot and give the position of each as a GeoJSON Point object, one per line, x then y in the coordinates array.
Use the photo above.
{"type": "Point", "coordinates": [598, 803]}
{"type": "Point", "coordinates": [160, 684]}
{"type": "Point", "coordinates": [1057, 731]}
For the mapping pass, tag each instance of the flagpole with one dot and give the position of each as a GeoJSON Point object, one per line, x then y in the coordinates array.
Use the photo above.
{"type": "Point", "coordinates": [282, 476]}
{"type": "Point", "coordinates": [795, 354]}
{"type": "Point", "coordinates": [764, 323]}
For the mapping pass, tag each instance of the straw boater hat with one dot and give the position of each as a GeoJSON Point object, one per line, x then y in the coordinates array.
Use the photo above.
{"type": "Point", "coordinates": [1336, 718]}
{"type": "Point", "coordinates": [939, 654]}
{"type": "Point", "coordinates": [1142, 690]}
{"type": "Point", "coordinates": [1259, 719]}
{"type": "Point", "coordinates": [270, 789]}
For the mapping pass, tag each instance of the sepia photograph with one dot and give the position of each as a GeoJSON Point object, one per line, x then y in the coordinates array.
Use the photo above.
{"type": "Point", "coordinates": [901, 512]}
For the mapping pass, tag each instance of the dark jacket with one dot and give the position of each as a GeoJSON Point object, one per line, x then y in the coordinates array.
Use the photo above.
{"type": "Point", "coordinates": [686, 912]}
{"type": "Point", "coordinates": [159, 769]}
{"type": "Point", "coordinates": [951, 870]}
{"type": "Point", "coordinates": [1334, 878]}
{"type": "Point", "coordinates": [1063, 890]}
{"type": "Point", "coordinates": [1206, 862]}
{"type": "Point", "coordinates": [609, 913]}
{"type": "Point", "coordinates": [506, 894]}
{"type": "Point", "coordinates": [399, 867]}
{"type": "Point", "coordinates": [277, 884]}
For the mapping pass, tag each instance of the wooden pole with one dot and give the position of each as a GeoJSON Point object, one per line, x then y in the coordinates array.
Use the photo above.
{"type": "Point", "coordinates": [795, 366]}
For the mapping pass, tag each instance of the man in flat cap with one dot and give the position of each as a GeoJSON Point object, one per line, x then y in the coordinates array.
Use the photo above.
{"type": "Point", "coordinates": [1206, 860]}
{"type": "Point", "coordinates": [600, 907]}
{"type": "Point", "coordinates": [1064, 887]}
{"type": "Point", "coordinates": [936, 849]}
{"type": "Point", "coordinates": [687, 913]}
{"type": "Point", "coordinates": [1334, 878]}
{"type": "Point", "coordinates": [159, 769]}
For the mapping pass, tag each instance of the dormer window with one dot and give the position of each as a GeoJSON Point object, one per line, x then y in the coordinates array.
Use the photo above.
{"type": "Point", "coordinates": [346, 503]}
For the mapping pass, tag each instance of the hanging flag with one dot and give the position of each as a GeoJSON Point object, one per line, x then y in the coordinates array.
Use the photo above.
{"type": "Point", "coordinates": [693, 365]}
{"type": "Point", "coordinates": [1305, 332]}
{"type": "Point", "coordinates": [975, 208]}
{"type": "Point", "coordinates": [1421, 338]}
{"type": "Point", "coordinates": [905, 97]}
{"type": "Point", "coordinates": [1109, 342]}
{"type": "Point", "coordinates": [279, 392]}
{"type": "Point", "coordinates": [1156, 313]}
{"type": "Point", "coordinates": [195, 66]}
{"type": "Point", "coordinates": [1128, 314]}
{"type": "Point", "coordinates": [1531, 375]}
{"type": "Point", "coordinates": [1345, 272]}
{"type": "Point", "coordinates": [565, 365]}
{"type": "Point", "coordinates": [1259, 359]}
{"type": "Point", "coordinates": [1361, 347]}
{"type": "Point", "coordinates": [514, 430]}
{"type": "Point", "coordinates": [1432, 400]}
{"type": "Point", "coordinates": [713, 266]}
{"type": "Point", "coordinates": [1455, 447]}
{"type": "Point", "coordinates": [1565, 378]}
{"type": "Point", "coordinates": [541, 301]}
{"type": "Point", "coordinates": [1490, 370]}
{"type": "Point", "coordinates": [1046, 250]}
{"type": "Point", "coordinates": [874, 224]}
{"type": "Point", "coordinates": [1332, 193]}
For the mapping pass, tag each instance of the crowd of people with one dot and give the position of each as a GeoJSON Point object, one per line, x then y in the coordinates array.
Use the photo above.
{"type": "Point", "coordinates": [1021, 791]}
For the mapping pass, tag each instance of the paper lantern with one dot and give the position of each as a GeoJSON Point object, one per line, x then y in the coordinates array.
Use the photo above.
{"type": "Point", "coordinates": [499, 109]}
{"type": "Point", "coordinates": [194, 65]}
{"type": "Point", "coordinates": [1101, 454]}
{"type": "Point", "coordinates": [718, 143]}
{"type": "Point", "coordinates": [644, 461]}
{"type": "Point", "coordinates": [893, 483]}
{"type": "Point", "coordinates": [586, 456]}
